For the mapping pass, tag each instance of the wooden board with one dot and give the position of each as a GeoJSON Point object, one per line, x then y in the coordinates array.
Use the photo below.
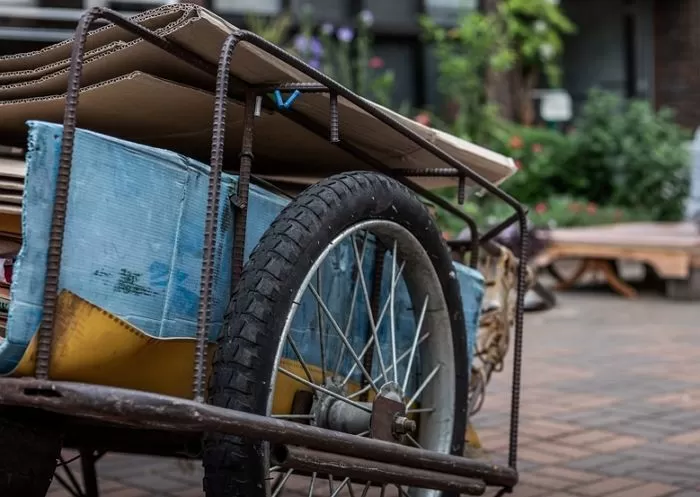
{"type": "Point", "coordinates": [671, 248]}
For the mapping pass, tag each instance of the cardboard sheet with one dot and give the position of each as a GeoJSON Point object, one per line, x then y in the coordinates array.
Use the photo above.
{"type": "Point", "coordinates": [128, 97]}
{"type": "Point", "coordinates": [59, 53]}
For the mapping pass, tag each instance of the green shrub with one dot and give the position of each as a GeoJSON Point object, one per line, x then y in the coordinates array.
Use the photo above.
{"type": "Point", "coordinates": [629, 155]}
{"type": "Point", "coordinates": [540, 154]}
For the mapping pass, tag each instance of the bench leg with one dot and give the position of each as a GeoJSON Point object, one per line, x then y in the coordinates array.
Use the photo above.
{"type": "Point", "coordinates": [609, 271]}
{"type": "Point", "coordinates": [567, 283]}
{"type": "Point", "coordinates": [613, 279]}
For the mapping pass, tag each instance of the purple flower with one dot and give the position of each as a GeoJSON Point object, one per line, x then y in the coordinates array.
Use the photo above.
{"type": "Point", "coordinates": [315, 63]}
{"type": "Point", "coordinates": [301, 43]}
{"type": "Point", "coordinates": [316, 47]}
{"type": "Point", "coordinates": [345, 34]}
{"type": "Point", "coordinates": [367, 18]}
{"type": "Point", "coordinates": [327, 29]}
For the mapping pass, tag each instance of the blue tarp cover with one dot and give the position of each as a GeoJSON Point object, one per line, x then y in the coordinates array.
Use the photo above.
{"type": "Point", "coordinates": [133, 245]}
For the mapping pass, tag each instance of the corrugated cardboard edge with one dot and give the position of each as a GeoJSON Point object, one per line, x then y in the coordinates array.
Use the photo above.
{"type": "Point", "coordinates": [12, 168]}
{"type": "Point", "coordinates": [33, 74]}
{"type": "Point", "coordinates": [96, 38]}
{"type": "Point", "coordinates": [121, 59]}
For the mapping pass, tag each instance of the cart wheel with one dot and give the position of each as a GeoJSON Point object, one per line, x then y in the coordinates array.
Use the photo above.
{"type": "Point", "coordinates": [303, 278]}
{"type": "Point", "coordinates": [28, 456]}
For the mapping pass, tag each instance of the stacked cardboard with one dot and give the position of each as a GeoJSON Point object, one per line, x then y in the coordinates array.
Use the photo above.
{"type": "Point", "coordinates": [136, 91]}
{"type": "Point", "coordinates": [11, 185]}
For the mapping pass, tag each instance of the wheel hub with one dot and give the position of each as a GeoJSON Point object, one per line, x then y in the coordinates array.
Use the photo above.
{"type": "Point", "coordinates": [385, 418]}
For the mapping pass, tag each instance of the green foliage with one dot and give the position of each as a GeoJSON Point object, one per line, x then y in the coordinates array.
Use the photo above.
{"type": "Point", "coordinates": [556, 212]}
{"type": "Point", "coordinates": [540, 155]}
{"type": "Point", "coordinates": [535, 29]}
{"type": "Point", "coordinates": [522, 35]}
{"type": "Point", "coordinates": [275, 30]}
{"type": "Point", "coordinates": [623, 162]}
{"type": "Point", "coordinates": [634, 158]}
{"type": "Point", "coordinates": [464, 54]}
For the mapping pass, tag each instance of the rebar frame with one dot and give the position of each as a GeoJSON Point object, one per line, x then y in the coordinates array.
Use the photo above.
{"type": "Point", "coordinates": [253, 97]}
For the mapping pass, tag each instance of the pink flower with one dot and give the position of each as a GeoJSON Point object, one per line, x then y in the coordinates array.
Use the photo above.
{"type": "Point", "coordinates": [537, 148]}
{"type": "Point", "coordinates": [516, 142]}
{"type": "Point", "coordinates": [423, 118]}
{"type": "Point", "coordinates": [376, 63]}
{"type": "Point", "coordinates": [591, 208]}
{"type": "Point", "coordinates": [541, 208]}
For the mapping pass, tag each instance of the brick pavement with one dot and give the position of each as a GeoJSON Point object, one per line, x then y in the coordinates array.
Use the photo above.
{"type": "Point", "coordinates": [610, 407]}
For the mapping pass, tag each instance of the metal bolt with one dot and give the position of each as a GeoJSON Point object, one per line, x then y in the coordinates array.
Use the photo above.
{"type": "Point", "coordinates": [403, 425]}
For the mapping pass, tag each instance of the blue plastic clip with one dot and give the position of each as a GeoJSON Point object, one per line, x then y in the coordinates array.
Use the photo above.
{"type": "Point", "coordinates": [281, 103]}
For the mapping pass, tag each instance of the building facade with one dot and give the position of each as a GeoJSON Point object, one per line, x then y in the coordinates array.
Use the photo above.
{"type": "Point", "coordinates": [638, 48]}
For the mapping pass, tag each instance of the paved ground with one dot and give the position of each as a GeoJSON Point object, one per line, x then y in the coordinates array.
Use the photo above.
{"type": "Point", "coordinates": [611, 407]}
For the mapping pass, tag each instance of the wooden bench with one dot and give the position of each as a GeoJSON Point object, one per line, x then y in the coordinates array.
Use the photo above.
{"type": "Point", "coordinates": [672, 250]}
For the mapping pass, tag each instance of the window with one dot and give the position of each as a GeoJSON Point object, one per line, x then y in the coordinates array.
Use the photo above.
{"type": "Point", "coordinates": [260, 7]}
{"type": "Point", "coordinates": [335, 11]}
{"type": "Point", "coordinates": [445, 11]}
{"type": "Point", "coordinates": [393, 12]}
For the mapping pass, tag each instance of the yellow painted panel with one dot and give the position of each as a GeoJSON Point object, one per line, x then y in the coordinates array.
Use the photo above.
{"type": "Point", "coordinates": [93, 346]}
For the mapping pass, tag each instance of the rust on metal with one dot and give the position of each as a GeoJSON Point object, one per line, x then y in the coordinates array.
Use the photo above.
{"type": "Point", "coordinates": [148, 410]}
{"type": "Point", "coordinates": [355, 468]}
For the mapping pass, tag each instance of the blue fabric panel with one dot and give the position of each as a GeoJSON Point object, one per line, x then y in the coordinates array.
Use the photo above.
{"type": "Point", "coordinates": [133, 245]}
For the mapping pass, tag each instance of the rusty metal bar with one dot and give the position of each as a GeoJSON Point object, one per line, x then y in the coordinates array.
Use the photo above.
{"type": "Point", "coordinates": [212, 214]}
{"type": "Point", "coordinates": [355, 468]}
{"type": "Point", "coordinates": [432, 172]}
{"type": "Point", "coordinates": [241, 200]}
{"type": "Point", "coordinates": [149, 410]}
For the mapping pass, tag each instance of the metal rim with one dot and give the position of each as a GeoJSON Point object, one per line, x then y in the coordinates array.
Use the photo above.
{"type": "Point", "coordinates": [430, 400]}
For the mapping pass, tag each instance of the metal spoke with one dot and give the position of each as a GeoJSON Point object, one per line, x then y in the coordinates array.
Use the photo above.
{"type": "Point", "coordinates": [399, 360]}
{"type": "Point", "coordinates": [363, 434]}
{"type": "Point", "coordinates": [414, 346]}
{"type": "Point", "coordinates": [75, 492]}
{"type": "Point", "coordinates": [71, 476]}
{"type": "Point", "coordinates": [366, 489]}
{"type": "Point", "coordinates": [345, 482]}
{"type": "Point", "coordinates": [297, 353]}
{"type": "Point", "coordinates": [323, 390]}
{"type": "Point", "coordinates": [350, 490]}
{"type": "Point", "coordinates": [321, 327]}
{"type": "Point", "coordinates": [371, 339]}
{"type": "Point", "coordinates": [355, 288]}
{"type": "Point", "coordinates": [294, 416]}
{"type": "Point", "coordinates": [361, 356]}
{"type": "Point", "coordinates": [275, 468]}
{"type": "Point", "coordinates": [343, 338]}
{"type": "Point", "coordinates": [281, 481]}
{"type": "Point", "coordinates": [413, 441]}
{"type": "Point", "coordinates": [421, 410]}
{"type": "Point", "coordinates": [392, 312]}
{"type": "Point", "coordinates": [423, 385]}
{"type": "Point", "coordinates": [368, 303]}
{"type": "Point", "coordinates": [311, 485]}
